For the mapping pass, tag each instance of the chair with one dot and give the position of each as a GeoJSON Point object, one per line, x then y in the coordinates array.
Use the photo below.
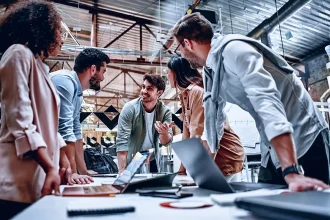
{"type": "Point", "coordinates": [252, 161]}
{"type": "Point", "coordinates": [324, 109]}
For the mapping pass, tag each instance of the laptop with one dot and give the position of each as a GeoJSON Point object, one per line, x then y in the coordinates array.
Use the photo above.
{"type": "Point", "coordinates": [206, 173]}
{"type": "Point", "coordinates": [302, 205]}
{"type": "Point", "coordinates": [119, 185]}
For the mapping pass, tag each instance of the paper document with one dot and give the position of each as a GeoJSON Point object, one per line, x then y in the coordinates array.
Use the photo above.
{"type": "Point", "coordinates": [228, 199]}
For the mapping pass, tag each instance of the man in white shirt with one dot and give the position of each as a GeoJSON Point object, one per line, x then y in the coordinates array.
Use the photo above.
{"type": "Point", "coordinates": [245, 72]}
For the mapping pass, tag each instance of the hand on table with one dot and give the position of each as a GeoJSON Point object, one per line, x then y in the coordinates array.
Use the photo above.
{"type": "Point", "coordinates": [299, 182]}
{"type": "Point", "coordinates": [91, 172]}
{"type": "Point", "coordinates": [81, 179]}
{"type": "Point", "coordinates": [52, 182]}
{"type": "Point", "coordinates": [65, 175]}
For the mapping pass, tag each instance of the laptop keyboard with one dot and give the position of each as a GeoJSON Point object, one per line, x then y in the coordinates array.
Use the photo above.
{"type": "Point", "coordinates": [88, 189]}
{"type": "Point", "coordinates": [246, 186]}
{"type": "Point", "coordinates": [242, 188]}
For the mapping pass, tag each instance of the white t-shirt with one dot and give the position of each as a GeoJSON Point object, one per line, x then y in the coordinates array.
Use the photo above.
{"type": "Point", "coordinates": [148, 140]}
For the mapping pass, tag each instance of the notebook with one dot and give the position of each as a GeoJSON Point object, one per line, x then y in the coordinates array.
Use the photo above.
{"type": "Point", "coordinates": [119, 186]}
{"type": "Point", "coordinates": [78, 208]}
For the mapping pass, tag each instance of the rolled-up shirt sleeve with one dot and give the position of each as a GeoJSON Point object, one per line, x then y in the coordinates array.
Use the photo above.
{"type": "Point", "coordinates": [168, 119]}
{"type": "Point", "coordinates": [65, 89]}
{"type": "Point", "coordinates": [15, 100]}
{"type": "Point", "coordinates": [61, 141]}
{"type": "Point", "coordinates": [77, 127]}
{"type": "Point", "coordinates": [259, 86]}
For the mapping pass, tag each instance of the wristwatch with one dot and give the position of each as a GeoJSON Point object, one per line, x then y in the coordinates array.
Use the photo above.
{"type": "Point", "coordinates": [294, 168]}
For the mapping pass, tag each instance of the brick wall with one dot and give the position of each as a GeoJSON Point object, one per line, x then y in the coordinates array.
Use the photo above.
{"type": "Point", "coordinates": [318, 74]}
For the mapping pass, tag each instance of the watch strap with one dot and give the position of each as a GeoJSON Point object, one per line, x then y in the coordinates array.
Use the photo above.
{"type": "Point", "coordinates": [290, 169]}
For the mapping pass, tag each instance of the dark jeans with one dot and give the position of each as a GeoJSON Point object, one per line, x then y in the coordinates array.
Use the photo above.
{"type": "Point", "coordinates": [153, 167]}
{"type": "Point", "coordinates": [9, 208]}
{"type": "Point", "coordinates": [315, 164]}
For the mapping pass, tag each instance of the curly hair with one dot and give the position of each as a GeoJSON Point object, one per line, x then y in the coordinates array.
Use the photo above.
{"type": "Point", "coordinates": [155, 80]}
{"type": "Point", "coordinates": [33, 23]}
{"type": "Point", "coordinates": [89, 57]}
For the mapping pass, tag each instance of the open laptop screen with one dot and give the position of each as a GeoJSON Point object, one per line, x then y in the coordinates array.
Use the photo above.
{"type": "Point", "coordinates": [132, 168]}
{"type": "Point", "coordinates": [119, 186]}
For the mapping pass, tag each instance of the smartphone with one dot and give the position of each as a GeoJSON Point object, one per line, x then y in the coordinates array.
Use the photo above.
{"type": "Point", "coordinates": [171, 195]}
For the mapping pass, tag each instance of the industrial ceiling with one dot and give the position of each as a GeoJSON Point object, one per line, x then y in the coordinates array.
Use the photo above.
{"type": "Point", "coordinates": [130, 31]}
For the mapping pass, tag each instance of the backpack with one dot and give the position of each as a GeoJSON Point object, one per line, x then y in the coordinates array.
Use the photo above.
{"type": "Point", "coordinates": [100, 163]}
{"type": "Point", "coordinates": [112, 165]}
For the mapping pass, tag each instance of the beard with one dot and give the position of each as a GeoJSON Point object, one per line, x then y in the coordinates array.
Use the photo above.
{"type": "Point", "coordinates": [145, 98]}
{"type": "Point", "coordinates": [195, 62]}
{"type": "Point", "coordinates": [94, 83]}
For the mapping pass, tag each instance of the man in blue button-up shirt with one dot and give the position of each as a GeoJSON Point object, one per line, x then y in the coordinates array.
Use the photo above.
{"type": "Point", "coordinates": [89, 69]}
{"type": "Point", "coordinates": [245, 72]}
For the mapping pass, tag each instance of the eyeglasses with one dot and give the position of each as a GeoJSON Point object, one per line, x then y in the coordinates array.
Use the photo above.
{"type": "Point", "coordinates": [176, 51]}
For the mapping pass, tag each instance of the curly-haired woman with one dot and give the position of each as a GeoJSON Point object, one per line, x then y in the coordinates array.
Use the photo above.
{"type": "Point", "coordinates": [229, 157]}
{"type": "Point", "coordinates": [30, 31]}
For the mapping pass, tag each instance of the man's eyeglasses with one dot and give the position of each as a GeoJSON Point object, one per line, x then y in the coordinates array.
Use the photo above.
{"type": "Point", "coordinates": [176, 51]}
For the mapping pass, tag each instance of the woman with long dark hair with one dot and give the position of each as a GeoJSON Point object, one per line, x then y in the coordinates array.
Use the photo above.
{"type": "Point", "coordinates": [30, 31]}
{"type": "Point", "coordinates": [189, 82]}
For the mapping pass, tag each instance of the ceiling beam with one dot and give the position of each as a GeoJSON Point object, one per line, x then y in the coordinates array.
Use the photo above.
{"type": "Point", "coordinates": [109, 82]}
{"type": "Point", "coordinates": [119, 98]}
{"type": "Point", "coordinates": [94, 30]}
{"type": "Point", "coordinates": [53, 66]}
{"type": "Point", "coordinates": [128, 70]}
{"type": "Point", "coordinates": [269, 24]}
{"type": "Point", "coordinates": [120, 92]}
{"type": "Point", "coordinates": [104, 105]}
{"type": "Point", "coordinates": [67, 63]}
{"type": "Point", "coordinates": [153, 34]}
{"type": "Point", "coordinates": [67, 29]}
{"type": "Point", "coordinates": [93, 9]}
{"type": "Point", "coordinates": [291, 59]}
{"type": "Point", "coordinates": [133, 62]}
{"type": "Point", "coordinates": [120, 35]}
{"type": "Point", "coordinates": [134, 80]}
{"type": "Point", "coordinates": [116, 61]}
